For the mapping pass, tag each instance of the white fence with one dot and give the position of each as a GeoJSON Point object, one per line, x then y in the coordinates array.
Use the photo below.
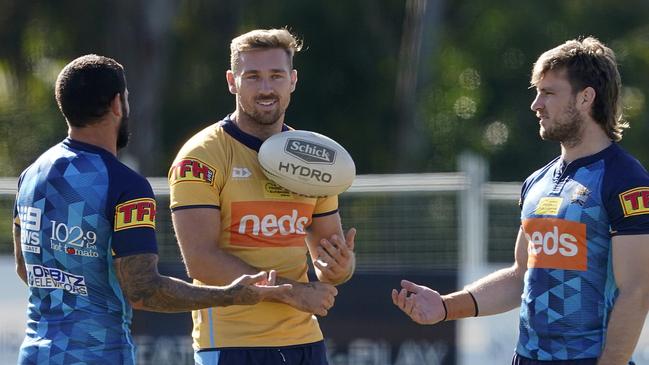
{"type": "Point", "coordinates": [489, 340]}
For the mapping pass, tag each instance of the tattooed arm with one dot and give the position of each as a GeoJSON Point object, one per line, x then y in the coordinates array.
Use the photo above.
{"type": "Point", "coordinates": [198, 231]}
{"type": "Point", "coordinates": [146, 289]}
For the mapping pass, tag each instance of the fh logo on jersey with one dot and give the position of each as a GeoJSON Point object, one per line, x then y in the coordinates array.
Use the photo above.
{"type": "Point", "coordinates": [191, 170]}
{"type": "Point", "coordinates": [135, 213]}
{"type": "Point", "coordinates": [30, 226]}
{"type": "Point", "coordinates": [556, 244]}
{"type": "Point", "coordinates": [269, 224]}
{"type": "Point", "coordinates": [635, 201]}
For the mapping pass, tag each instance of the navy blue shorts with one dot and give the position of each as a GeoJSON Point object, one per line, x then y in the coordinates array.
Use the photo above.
{"type": "Point", "coordinates": [522, 360]}
{"type": "Point", "coordinates": [307, 354]}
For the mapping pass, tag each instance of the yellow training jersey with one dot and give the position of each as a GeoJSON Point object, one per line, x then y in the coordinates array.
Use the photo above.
{"type": "Point", "coordinates": [261, 223]}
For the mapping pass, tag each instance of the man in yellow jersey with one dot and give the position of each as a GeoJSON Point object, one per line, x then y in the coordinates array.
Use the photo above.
{"type": "Point", "coordinates": [231, 220]}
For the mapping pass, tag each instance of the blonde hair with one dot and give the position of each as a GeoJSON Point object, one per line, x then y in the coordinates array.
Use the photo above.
{"type": "Point", "coordinates": [589, 63]}
{"type": "Point", "coordinates": [264, 39]}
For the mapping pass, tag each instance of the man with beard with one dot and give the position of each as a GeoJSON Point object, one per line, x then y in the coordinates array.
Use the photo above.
{"type": "Point", "coordinates": [580, 274]}
{"type": "Point", "coordinates": [230, 220]}
{"type": "Point", "coordinates": [84, 234]}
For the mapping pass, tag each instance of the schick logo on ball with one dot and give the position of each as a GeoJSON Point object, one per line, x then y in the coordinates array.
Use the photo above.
{"type": "Point", "coordinates": [310, 152]}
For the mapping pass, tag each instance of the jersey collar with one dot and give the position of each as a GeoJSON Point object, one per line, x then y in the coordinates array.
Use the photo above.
{"type": "Point", "coordinates": [78, 145]}
{"type": "Point", "coordinates": [611, 150]}
{"type": "Point", "coordinates": [248, 140]}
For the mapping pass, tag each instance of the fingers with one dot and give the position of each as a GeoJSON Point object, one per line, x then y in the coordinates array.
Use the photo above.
{"type": "Point", "coordinates": [329, 248]}
{"type": "Point", "coordinates": [411, 287]}
{"type": "Point", "coordinates": [337, 245]}
{"type": "Point", "coordinates": [349, 238]}
{"type": "Point", "coordinates": [405, 299]}
{"type": "Point", "coordinates": [275, 289]}
{"type": "Point", "coordinates": [410, 302]}
{"type": "Point", "coordinates": [401, 299]}
{"type": "Point", "coordinates": [274, 292]}
{"type": "Point", "coordinates": [258, 278]}
{"type": "Point", "coordinates": [395, 295]}
{"type": "Point", "coordinates": [329, 266]}
{"type": "Point", "coordinates": [272, 276]}
{"type": "Point", "coordinates": [283, 288]}
{"type": "Point", "coordinates": [327, 301]}
{"type": "Point", "coordinates": [324, 261]}
{"type": "Point", "coordinates": [334, 256]}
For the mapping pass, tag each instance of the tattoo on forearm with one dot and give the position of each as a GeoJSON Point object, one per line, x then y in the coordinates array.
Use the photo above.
{"type": "Point", "coordinates": [147, 289]}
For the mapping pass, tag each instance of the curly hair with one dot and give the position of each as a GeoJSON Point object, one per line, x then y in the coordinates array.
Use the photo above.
{"type": "Point", "coordinates": [86, 87]}
{"type": "Point", "coordinates": [589, 63]}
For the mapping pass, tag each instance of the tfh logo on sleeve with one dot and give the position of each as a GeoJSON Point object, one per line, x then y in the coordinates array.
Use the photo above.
{"type": "Point", "coordinates": [191, 170]}
{"type": "Point", "coordinates": [135, 213]}
{"type": "Point", "coordinates": [635, 201]}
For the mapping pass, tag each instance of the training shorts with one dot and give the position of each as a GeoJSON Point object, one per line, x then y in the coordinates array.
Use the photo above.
{"type": "Point", "coordinates": [306, 354]}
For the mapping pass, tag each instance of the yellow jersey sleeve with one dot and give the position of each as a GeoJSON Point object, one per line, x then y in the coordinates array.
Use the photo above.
{"type": "Point", "coordinates": [196, 176]}
{"type": "Point", "coordinates": [326, 205]}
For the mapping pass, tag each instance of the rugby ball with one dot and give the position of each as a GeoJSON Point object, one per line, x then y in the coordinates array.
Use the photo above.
{"type": "Point", "coordinates": [307, 163]}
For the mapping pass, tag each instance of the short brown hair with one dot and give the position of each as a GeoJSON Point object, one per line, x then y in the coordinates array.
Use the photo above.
{"type": "Point", "coordinates": [589, 63]}
{"type": "Point", "coordinates": [264, 39]}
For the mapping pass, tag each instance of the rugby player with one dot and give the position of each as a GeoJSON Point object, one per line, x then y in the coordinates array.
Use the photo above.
{"type": "Point", "coordinates": [231, 220]}
{"type": "Point", "coordinates": [84, 236]}
{"type": "Point", "coordinates": [580, 274]}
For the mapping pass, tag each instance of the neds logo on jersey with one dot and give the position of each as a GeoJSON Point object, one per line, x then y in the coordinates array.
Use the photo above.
{"type": "Point", "coordinates": [135, 213]}
{"type": "Point", "coordinates": [191, 170]}
{"type": "Point", "coordinates": [269, 223]}
{"type": "Point", "coordinates": [635, 201]}
{"type": "Point", "coordinates": [310, 152]}
{"type": "Point", "coordinates": [555, 243]}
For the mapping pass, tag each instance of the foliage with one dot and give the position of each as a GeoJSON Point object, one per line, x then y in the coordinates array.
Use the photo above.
{"type": "Point", "coordinates": [473, 91]}
{"type": "Point", "coordinates": [479, 99]}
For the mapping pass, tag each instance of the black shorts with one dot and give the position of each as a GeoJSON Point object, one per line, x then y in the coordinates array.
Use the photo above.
{"type": "Point", "coordinates": [522, 360]}
{"type": "Point", "coordinates": [307, 354]}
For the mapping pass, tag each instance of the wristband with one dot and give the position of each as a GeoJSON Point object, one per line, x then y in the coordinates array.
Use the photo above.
{"type": "Point", "coordinates": [460, 304]}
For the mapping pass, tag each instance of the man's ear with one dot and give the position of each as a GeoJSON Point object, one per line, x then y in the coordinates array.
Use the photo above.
{"type": "Point", "coordinates": [293, 79]}
{"type": "Point", "coordinates": [586, 98]}
{"type": "Point", "coordinates": [232, 82]}
{"type": "Point", "coordinates": [116, 105]}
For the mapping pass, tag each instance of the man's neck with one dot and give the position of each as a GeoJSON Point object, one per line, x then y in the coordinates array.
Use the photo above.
{"type": "Point", "coordinates": [261, 131]}
{"type": "Point", "coordinates": [100, 134]}
{"type": "Point", "coordinates": [592, 141]}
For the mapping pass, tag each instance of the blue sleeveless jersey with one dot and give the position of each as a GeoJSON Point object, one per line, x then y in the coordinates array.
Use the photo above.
{"type": "Point", "coordinates": [570, 212]}
{"type": "Point", "coordinates": [78, 208]}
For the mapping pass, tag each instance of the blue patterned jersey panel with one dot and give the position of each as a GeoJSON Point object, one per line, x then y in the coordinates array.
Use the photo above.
{"type": "Point", "coordinates": [66, 211]}
{"type": "Point", "coordinates": [569, 212]}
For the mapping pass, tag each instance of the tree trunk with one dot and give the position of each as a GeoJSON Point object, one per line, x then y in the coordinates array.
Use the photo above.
{"type": "Point", "coordinates": [421, 21]}
{"type": "Point", "coordinates": [140, 42]}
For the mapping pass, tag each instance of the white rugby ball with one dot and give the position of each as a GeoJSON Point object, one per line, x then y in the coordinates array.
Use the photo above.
{"type": "Point", "coordinates": [307, 163]}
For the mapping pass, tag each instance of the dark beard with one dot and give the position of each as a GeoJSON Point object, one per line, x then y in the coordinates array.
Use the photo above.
{"type": "Point", "coordinates": [123, 133]}
{"type": "Point", "coordinates": [262, 118]}
{"type": "Point", "coordinates": [565, 130]}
